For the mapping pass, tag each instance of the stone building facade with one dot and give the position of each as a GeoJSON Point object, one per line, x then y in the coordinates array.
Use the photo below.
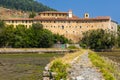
{"type": "Point", "coordinates": [66, 23]}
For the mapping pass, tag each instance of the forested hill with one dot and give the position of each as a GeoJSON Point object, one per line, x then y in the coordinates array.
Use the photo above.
{"type": "Point", "coordinates": [25, 5]}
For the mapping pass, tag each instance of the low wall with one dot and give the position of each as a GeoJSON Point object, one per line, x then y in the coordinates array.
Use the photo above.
{"type": "Point", "coordinates": [34, 50]}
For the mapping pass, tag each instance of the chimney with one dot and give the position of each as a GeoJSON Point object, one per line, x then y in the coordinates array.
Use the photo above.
{"type": "Point", "coordinates": [70, 14]}
{"type": "Point", "coordinates": [86, 15]}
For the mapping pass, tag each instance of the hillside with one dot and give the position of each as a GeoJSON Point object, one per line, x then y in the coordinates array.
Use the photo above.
{"type": "Point", "coordinates": [11, 13]}
{"type": "Point", "coordinates": [24, 5]}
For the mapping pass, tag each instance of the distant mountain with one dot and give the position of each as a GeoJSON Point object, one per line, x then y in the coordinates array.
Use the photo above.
{"type": "Point", "coordinates": [25, 5]}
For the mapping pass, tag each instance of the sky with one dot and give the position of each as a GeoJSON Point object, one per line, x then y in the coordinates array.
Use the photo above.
{"type": "Point", "coordinates": [93, 7]}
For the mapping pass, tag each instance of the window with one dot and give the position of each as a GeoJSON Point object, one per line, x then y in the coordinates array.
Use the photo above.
{"type": "Point", "coordinates": [80, 26]}
{"type": "Point", "coordinates": [12, 21]}
{"type": "Point", "coordinates": [111, 27]}
{"type": "Point", "coordinates": [62, 27]}
{"type": "Point", "coordinates": [43, 14]}
{"type": "Point", "coordinates": [22, 21]}
{"type": "Point", "coordinates": [29, 21]}
{"type": "Point", "coordinates": [86, 15]}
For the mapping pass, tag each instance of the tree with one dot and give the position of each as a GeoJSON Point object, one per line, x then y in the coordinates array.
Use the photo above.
{"type": "Point", "coordinates": [33, 37]}
{"type": "Point", "coordinates": [118, 36]}
{"type": "Point", "coordinates": [7, 36]}
{"type": "Point", "coordinates": [25, 5]}
{"type": "Point", "coordinates": [32, 15]}
{"type": "Point", "coordinates": [98, 39]}
{"type": "Point", "coordinates": [60, 38]}
{"type": "Point", "coordinates": [37, 26]}
{"type": "Point", "coordinates": [42, 37]}
{"type": "Point", "coordinates": [2, 24]}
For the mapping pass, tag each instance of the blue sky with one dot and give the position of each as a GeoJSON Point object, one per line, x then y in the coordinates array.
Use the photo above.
{"type": "Point", "coordinates": [93, 7]}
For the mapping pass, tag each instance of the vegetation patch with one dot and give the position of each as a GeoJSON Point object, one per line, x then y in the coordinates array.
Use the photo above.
{"type": "Point", "coordinates": [98, 39]}
{"type": "Point", "coordinates": [114, 59]}
{"type": "Point", "coordinates": [25, 5]}
{"type": "Point", "coordinates": [105, 68]}
{"type": "Point", "coordinates": [73, 47]}
{"type": "Point", "coordinates": [24, 66]}
{"type": "Point", "coordinates": [61, 65]}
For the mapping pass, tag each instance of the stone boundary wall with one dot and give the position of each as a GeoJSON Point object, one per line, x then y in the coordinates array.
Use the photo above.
{"type": "Point", "coordinates": [34, 50]}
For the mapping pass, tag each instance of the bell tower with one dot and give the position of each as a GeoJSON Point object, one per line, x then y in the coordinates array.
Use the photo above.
{"type": "Point", "coordinates": [86, 15]}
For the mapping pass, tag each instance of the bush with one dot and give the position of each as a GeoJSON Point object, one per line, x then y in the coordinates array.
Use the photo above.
{"type": "Point", "coordinates": [72, 47]}
{"type": "Point", "coordinates": [60, 68]}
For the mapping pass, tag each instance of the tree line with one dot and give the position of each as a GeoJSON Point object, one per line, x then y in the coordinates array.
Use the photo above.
{"type": "Point", "coordinates": [34, 37]}
{"type": "Point", "coordinates": [100, 39]}
{"type": "Point", "coordinates": [25, 5]}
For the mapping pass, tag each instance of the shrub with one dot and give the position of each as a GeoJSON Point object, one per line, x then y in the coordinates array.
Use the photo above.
{"type": "Point", "coordinates": [72, 47]}
{"type": "Point", "coordinates": [60, 68]}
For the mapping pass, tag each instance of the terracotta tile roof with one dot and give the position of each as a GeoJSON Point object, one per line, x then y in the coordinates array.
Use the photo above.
{"type": "Point", "coordinates": [63, 19]}
{"type": "Point", "coordinates": [19, 19]}
{"type": "Point", "coordinates": [75, 16]}
{"type": "Point", "coordinates": [73, 19]}
{"type": "Point", "coordinates": [101, 17]}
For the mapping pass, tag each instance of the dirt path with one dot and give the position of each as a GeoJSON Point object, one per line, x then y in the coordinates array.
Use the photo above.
{"type": "Point", "coordinates": [82, 69]}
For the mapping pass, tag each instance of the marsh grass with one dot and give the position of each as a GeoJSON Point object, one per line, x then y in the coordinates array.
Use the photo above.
{"type": "Point", "coordinates": [113, 58]}
{"type": "Point", "coordinates": [105, 68]}
{"type": "Point", "coordinates": [24, 66]}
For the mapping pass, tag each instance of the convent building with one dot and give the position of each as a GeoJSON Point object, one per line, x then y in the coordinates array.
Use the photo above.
{"type": "Point", "coordinates": [66, 23]}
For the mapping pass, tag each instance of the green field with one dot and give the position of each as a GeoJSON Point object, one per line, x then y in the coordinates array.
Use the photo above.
{"type": "Point", "coordinates": [24, 66]}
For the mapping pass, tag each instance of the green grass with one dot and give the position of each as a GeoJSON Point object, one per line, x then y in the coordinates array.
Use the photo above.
{"type": "Point", "coordinates": [105, 68]}
{"type": "Point", "coordinates": [24, 66]}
